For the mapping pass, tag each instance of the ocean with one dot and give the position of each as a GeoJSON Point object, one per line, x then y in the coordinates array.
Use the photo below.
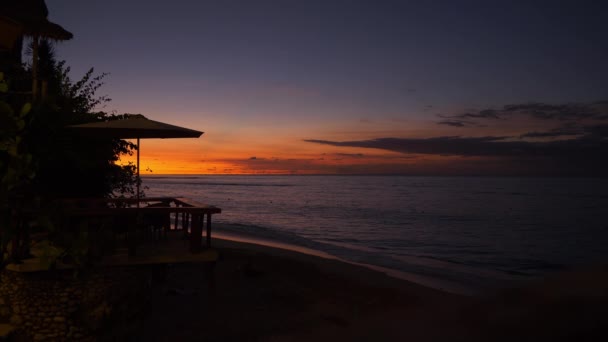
{"type": "Point", "coordinates": [462, 234]}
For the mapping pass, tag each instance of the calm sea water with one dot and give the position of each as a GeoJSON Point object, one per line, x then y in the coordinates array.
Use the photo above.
{"type": "Point", "coordinates": [468, 233]}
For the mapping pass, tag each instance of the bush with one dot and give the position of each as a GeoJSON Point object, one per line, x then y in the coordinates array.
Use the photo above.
{"type": "Point", "coordinates": [41, 161]}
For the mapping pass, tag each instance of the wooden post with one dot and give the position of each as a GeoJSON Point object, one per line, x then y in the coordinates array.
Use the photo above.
{"type": "Point", "coordinates": [138, 179]}
{"type": "Point", "coordinates": [208, 234]}
{"type": "Point", "coordinates": [187, 222]}
{"type": "Point", "coordinates": [196, 233]}
{"type": "Point", "coordinates": [177, 220]}
{"type": "Point", "coordinates": [35, 67]}
{"type": "Point", "coordinates": [166, 225]}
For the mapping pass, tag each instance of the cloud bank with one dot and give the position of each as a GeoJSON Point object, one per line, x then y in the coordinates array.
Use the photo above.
{"type": "Point", "coordinates": [590, 145]}
{"type": "Point", "coordinates": [570, 112]}
{"type": "Point", "coordinates": [574, 141]}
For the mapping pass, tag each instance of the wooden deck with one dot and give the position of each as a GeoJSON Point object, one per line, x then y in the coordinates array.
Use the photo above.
{"type": "Point", "coordinates": [156, 213]}
{"type": "Point", "coordinates": [161, 230]}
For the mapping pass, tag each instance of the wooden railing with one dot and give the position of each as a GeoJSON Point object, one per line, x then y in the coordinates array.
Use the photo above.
{"type": "Point", "coordinates": [140, 214]}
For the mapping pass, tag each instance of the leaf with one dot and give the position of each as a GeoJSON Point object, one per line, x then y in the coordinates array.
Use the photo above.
{"type": "Point", "coordinates": [25, 109]}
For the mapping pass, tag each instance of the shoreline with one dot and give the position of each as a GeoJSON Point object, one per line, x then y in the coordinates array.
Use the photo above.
{"type": "Point", "coordinates": [340, 265]}
{"type": "Point", "coordinates": [367, 274]}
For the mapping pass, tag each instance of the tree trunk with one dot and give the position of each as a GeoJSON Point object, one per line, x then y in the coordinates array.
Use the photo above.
{"type": "Point", "coordinates": [35, 68]}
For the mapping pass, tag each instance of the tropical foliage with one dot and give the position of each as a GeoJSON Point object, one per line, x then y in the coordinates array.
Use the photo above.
{"type": "Point", "coordinates": [41, 160]}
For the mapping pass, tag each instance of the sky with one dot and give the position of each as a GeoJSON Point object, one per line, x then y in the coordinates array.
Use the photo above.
{"type": "Point", "coordinates": [354, 87]}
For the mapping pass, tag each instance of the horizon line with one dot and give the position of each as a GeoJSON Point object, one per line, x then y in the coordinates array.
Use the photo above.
{"type": "Point", "coordinates": [376, 175]}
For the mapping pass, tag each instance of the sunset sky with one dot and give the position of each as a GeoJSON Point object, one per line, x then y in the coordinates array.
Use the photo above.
{"type": "Point", "coordinates": [399, 87]}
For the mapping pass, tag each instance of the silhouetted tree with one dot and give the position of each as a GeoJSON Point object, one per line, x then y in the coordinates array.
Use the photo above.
{"type": "Point", "coordinates": [41, 160]}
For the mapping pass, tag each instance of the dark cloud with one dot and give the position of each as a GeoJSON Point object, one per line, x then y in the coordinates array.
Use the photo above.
{"type": "Point", "coordinates": [574, 143]}
{"type": "Point", "coordinates": [565, 130]}
{"type": "Point", "coordinates": [543, 111]}
{"type": "Point", "coordinates": [440, 145]}
{"type": "Point", "coordinates": [570, 111]}
{"type": "Point", "coordinates": [487, 113]}
{"type": "Point", "coordinates": [597, 131]}
{"type": "Point", "coordinates": [587, 146]}
{"type": "Point", "coordinates": [350, 155]}
{"type": "Point", "coordinates": [452, 123]}
{"type": "Point", "coordinates": [457, 123]}
{"type": "Point", "coordinates": [548, 134]}
{"type": "Point", "coordinates": [482, 114]}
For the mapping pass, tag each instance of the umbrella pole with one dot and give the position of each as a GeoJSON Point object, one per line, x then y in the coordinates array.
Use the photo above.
{"type": "Point", "coordinates": [132, 235]}
{"type": "Point", "coordinates": [138, 179]}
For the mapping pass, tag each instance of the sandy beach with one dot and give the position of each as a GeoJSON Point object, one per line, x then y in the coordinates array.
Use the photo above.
{"type": "Point", "coordinates": [262, 293]}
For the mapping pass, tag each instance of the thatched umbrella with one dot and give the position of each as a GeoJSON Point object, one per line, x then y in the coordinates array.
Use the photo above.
{"type": "Point", "coordinates": [135, 126]}
{"type": "Point", "coordinates": [20, 18]}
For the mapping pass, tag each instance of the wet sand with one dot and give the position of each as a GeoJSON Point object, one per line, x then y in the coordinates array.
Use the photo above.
{"type": "Point", "coordinates": [261, 293]}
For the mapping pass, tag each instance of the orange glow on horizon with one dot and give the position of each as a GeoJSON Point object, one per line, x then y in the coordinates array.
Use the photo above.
{"type": "Point", "coordinates": [335, 161]}
{"type": "Point", "coordinates": [256, 150]}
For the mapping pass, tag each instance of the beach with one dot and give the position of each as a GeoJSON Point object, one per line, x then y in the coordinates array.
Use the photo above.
{"type": "Point", "coordinates": [260, 293]}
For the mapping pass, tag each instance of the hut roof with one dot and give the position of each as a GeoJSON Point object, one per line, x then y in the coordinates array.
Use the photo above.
{"type": "Point", "coordinates": [32, 16]}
